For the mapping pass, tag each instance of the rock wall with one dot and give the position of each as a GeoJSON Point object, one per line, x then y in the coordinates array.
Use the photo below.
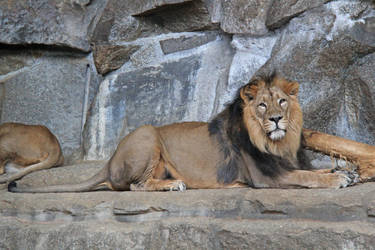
{"type": "Point", "coordinates": [92, 71]}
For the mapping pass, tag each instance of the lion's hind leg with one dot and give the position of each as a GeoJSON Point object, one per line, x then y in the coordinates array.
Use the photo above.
{"type": "Point", "coordinates": [139, 164]}
{"type": "Point", "coordinates": [155, 177]}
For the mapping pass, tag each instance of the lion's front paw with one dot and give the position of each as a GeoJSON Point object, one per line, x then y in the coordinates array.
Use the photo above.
{"type": "Point", "coordinates": [177, 185]}
{"type": "Point", "coordinates": [345, 178]}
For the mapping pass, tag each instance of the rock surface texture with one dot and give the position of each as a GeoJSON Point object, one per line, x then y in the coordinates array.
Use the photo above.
{"type": "Point", "coordinates": [94, 70]}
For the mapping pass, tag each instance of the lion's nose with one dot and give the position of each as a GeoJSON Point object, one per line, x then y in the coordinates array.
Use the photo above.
{"type": "Point", "coordinates": [275, 119]}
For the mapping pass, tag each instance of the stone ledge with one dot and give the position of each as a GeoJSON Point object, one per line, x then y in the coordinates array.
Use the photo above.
{"type": "Point", "coordinates": [208, 219]}
{"type": "Point", "coordinates": [348, 204]}
{"type": "Point", "coordinates": [192, 233]}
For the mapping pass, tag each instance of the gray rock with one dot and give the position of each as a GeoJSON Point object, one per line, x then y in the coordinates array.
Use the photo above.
{"type": "Point", "coordinates": [245, 17]}
{"type": "Point", "coordinates": [215, 10]}
{"type": "Point", "coordinates": [282, 11]}
{"type": "Point", "coordinates": [364, 31]}
{"type": "Point", "coordinates": [153, 95]}
{"type": "Point", "coordinates": [144, 7]}
{"type": "Point", "coordinates": [195, 233]}
{"type": "Point", "coordinates": [164, 89]}
{"type": "Point", "coordinates": [48, 22]}
{"type": "Point", "coordinates": [190, 16]}
{"type": "Point", "coordinates": [14, 59]}
{"type": "Point", "coordinates": [173, 45]}
{"type": "Point", "coordinates": [117, 23]}
{"type": "Point", "coordinates": [251, 54]}
{"type": "Point", "coordinates": [356, 119]}
{"type": "Point", "coordinates": [53, 91]}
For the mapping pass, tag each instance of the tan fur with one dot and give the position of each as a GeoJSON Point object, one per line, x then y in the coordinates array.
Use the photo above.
{"type": "Point", "coordinates": [181, 155]}
{"type": "Point", "coordinates": [29, 147]}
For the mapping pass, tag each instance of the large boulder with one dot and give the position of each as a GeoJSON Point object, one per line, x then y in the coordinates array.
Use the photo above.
{"type": "Point", "coordinates": [162, 83]}
{"type": "Point", "coordinates": [49, 22]}
{"type": "Point", "coordinates": [144, 7]}
{"type": "Point", "coordinates": [131, 20]}
{"type": "Point", "coordinates": [251, 53]}
{"type": "Point", "coordinates": [282, 11]}
{"type": "Point", "coordinates": [245, 17]}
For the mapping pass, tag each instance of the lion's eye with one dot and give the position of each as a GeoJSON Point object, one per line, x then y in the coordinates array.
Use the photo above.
{"type": "Point", "coordinates": [262, 106]}
{"type": "Point", "coordinates": [282, 101]}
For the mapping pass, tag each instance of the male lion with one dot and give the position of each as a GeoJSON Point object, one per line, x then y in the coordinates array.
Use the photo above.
{"type": "Point", "coordinates": [31, 147]}
{"type": "Point", "coordinates": [254, 142]}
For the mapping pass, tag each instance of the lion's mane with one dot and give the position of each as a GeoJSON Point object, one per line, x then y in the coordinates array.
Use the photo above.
{"type": "Point", "coordinates": [237, 130]}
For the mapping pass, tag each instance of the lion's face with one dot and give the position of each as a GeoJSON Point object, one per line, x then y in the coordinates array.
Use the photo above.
{"type": "Point", "coordinates": [273, 115]}
{"type": "Point", "coordinates": [272, 111]}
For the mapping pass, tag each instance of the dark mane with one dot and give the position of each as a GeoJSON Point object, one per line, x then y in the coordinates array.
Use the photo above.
{"type": "Point", "coordinates": [229, 131]}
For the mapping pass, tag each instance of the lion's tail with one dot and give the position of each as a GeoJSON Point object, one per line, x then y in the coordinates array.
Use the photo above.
{"type": "Point", "coordinates": [89, 185]}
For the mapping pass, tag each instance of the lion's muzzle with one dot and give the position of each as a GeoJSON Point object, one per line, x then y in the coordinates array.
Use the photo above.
{"type": "Point", "coordinates": [276, 128]}
{"type": "Point", "coordinates": [277, 134]}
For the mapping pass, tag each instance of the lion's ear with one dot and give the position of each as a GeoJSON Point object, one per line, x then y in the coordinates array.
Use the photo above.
{"type": "Point", "coordinates": [248, 92]}
{"type": "Point", "coordinates": [291, 88]}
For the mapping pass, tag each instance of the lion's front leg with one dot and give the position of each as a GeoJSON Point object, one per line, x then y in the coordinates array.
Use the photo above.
{"type": "Point", "coordinates": [159, 185]}
{"type": "Point", "coordinates": [315, 179]}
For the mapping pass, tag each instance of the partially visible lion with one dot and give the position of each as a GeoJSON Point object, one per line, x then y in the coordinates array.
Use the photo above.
{"type": "Point", "coordinates": [254, 142]}
{"type": "Point", "coordinates": [29, 147]}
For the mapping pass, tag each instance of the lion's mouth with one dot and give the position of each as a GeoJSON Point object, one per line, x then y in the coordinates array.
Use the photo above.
{"type": "Point", "coordinates": [276, 134]}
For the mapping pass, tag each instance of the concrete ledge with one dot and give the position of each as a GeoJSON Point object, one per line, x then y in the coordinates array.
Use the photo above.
{"type": "Point", "coordinates": [205, 219]}
{"type": "Point", "coordinates": [193, 233]}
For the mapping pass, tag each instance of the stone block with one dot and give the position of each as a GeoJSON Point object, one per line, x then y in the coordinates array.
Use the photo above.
{"type": "Point", "coordinates": [245, 17]}
{"type": "Point", "coordinates": [117, 23]}
{"type": "Point", "coordinates": [48, 22]}
{"type": "Point", "coordinates": [162, 90]}
{"type": "Point", "coordinates": [282, 11]}
{"type": "Point", "coordinates": [251, 54]}
{"type": "Point", "coordinates": [144, 7]}
{"type": "Point", "coordinates": [173, 45]}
